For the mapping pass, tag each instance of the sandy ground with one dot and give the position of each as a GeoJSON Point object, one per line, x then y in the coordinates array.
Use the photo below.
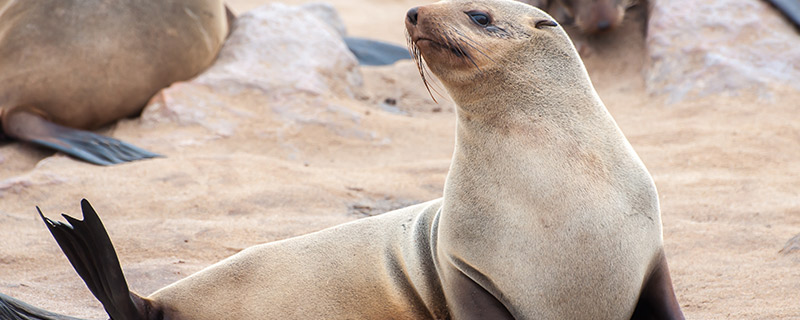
{"type": "Point", "coordinates": [726, 167]}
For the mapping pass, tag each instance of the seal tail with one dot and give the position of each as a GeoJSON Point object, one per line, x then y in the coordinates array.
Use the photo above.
{"type": "Point", "coordinates": [88, 248]}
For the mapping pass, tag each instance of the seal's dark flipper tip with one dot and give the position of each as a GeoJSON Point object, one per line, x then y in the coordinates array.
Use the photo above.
{"type": "Point", "coordinates": [790, 9]}
{"type": "Point", "coordinates": [83, 145]}
{"type": "Point", "coordinates": [13, 309]}
{"type": "Point", "coordinates": [94, 148]}
{"type": "Point", "coordinates": [657, 301]}
{"type": "Point", "coordinates": [375, 53]}
{"type": "Point", "coordinates": [88, 248]}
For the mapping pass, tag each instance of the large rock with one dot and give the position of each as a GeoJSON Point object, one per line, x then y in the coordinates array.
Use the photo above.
{"type": "Point", "coordinates": [285, 63]}
{"type": "Point", "coordinates": [702, 47]}
{"type": "Point", "coordinates": [283, 49]}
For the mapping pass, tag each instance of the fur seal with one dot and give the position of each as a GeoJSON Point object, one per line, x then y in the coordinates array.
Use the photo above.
{"type": "Point", "coordinates": [590, 16]}
{"type": "Point", "coordinates": [72, 65]}
{"type": "Point", "coordinates": [547, 212]}
{"type": "Point", "coordinates": [598, 16]}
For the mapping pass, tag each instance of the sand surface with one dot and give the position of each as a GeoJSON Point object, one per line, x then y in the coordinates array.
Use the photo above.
{"type": "Point", "coordinates": [726, 167]}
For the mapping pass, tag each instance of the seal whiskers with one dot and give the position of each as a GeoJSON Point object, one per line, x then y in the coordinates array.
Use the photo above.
{"type": "Point", "coordinates": [473, 44]}
{"type": "Point", "coordinates": [421, 66]}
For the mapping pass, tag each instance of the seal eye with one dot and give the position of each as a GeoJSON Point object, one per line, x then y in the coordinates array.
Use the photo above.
{"type": "Point", "coordinates": [480, 18]}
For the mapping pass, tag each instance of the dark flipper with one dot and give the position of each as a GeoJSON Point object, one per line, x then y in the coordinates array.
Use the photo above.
{"type": "Point", "coordinates": [13, 309]}
{"type": "Point", "coordinates": [231, 18]}
{"type": "Point", "coordinates": [376, 53]}
{"type": "Point", "coordinates": [657, 300]}
{"type": "Point", "coordinates": [790, 9]}
{"type": "Point", "coordinates": [88, 248]}
{"type": "Point", "coordinates": [83, 145]}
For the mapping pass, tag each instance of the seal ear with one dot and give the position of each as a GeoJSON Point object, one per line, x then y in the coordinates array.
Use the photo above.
{"type": "Point", "coordinates": [545, 23]}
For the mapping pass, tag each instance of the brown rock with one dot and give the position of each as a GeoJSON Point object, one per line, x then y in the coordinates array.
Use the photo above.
{"type": "Point", "coordinates": [699, 48]}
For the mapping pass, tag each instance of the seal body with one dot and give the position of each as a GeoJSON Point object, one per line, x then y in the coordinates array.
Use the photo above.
{"type": "Point", "coordinates": [367, 269]}
{"type": "Point", "coordinates": [539, 167]}
{"type": "Point", "coordinates": [548, 213]}
{"type": "Point", "coordinates": [83, 64]}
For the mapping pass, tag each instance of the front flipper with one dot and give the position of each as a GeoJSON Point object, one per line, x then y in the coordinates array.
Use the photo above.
{"type": "Point", "coordinates": [466, 298]}
{"type": "Point", "coordinates": [88, 248]}
{"type": "Point", "coordinates": [657, 300]}
{"type": "Point", "coordinates": [790, 9]}
{"type": "Point", "coordinates": [80, 144]}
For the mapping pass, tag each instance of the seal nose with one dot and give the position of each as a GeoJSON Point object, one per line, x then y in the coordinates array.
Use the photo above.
{"type": "Point", "coordinates": [412, 15]}
{"type": "Point", "coordinates": [603, 25]}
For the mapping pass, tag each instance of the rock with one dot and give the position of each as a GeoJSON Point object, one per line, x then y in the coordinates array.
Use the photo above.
{"type": "Point", "coordinates": [700, 48]}
{"type": "Point", "coordinates": [328, 14]}
{"type": "Point", "coordinates": [190, 104]}
{"type": "Point", "coordinates": [282, 50]}
{"type": "Point", "coordinates": [279, 61]}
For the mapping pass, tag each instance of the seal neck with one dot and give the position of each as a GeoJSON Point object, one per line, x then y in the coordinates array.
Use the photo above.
{"type": "Point", "coordinates": [535, 149]}
{"type": "Point", "coordinates": [529, 103]}
{"type": "Point", "coordinates": [517, 91]}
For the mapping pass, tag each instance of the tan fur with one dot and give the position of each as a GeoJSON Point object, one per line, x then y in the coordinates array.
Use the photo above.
{"type": "Point", "coordinates": [547, 212]}
{"type": "Point", "coordinates": [544, 168]}
{"type": "Point", "coordinates": [374, 268]}
{"type": "Point", "coordinates": [84, 64]}
{"type": "Point", "coordinates": [591, 15]}
{"type": "Point", "coordinates": [541, 4]}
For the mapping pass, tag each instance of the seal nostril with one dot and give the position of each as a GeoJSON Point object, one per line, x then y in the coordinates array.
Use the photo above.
{"type": "Point", "coordinates": [412, 15]}
{"type": "Point", "coordinates": [603, 25]}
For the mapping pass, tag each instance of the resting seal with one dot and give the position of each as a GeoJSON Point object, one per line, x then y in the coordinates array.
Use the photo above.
{"type": "Point", "coordinates": [80, 64]}
{"type": "Point", "coordinates": [547, 211]}
{"type": "Point", "coordinates": [596, 16]}
{"type": "Point", "coordinates": [590, 16]}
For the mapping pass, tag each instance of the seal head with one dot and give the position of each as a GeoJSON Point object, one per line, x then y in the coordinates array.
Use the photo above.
{"type": "Point", "coordinates": [480, 47]}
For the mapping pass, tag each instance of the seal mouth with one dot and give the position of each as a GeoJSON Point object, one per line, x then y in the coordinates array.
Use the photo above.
{"type": "Point", "coordinates": [413, 49]}
{"type": "Point", "coordinates": [449, 40]}
{"type": "Point", "coordinates": [457, 51]}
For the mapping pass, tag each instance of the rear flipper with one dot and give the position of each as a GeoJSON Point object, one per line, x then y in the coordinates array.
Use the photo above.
{"type": "Point", "coordinates": [376, 53]}
{"type": "Point", "coordinates": [13, 309]}
{"type": "Point", "coordinates": [80, 144]}
{"type": "Point", "coordinates": [790, 9]}
{"type": "Point", "coordinates": [88, 248]}
{"type": "Point", "coordinates": [657, 300]}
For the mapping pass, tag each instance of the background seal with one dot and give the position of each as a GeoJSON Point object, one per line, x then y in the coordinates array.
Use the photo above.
{"type": "Point", "coordinates": [73, 65]}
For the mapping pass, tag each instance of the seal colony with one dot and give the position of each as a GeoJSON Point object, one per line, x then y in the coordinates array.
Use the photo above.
{"type": "Point", "coordinates": [547, 212]}
{"type": "Point", "coordinates": [73, 65]}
